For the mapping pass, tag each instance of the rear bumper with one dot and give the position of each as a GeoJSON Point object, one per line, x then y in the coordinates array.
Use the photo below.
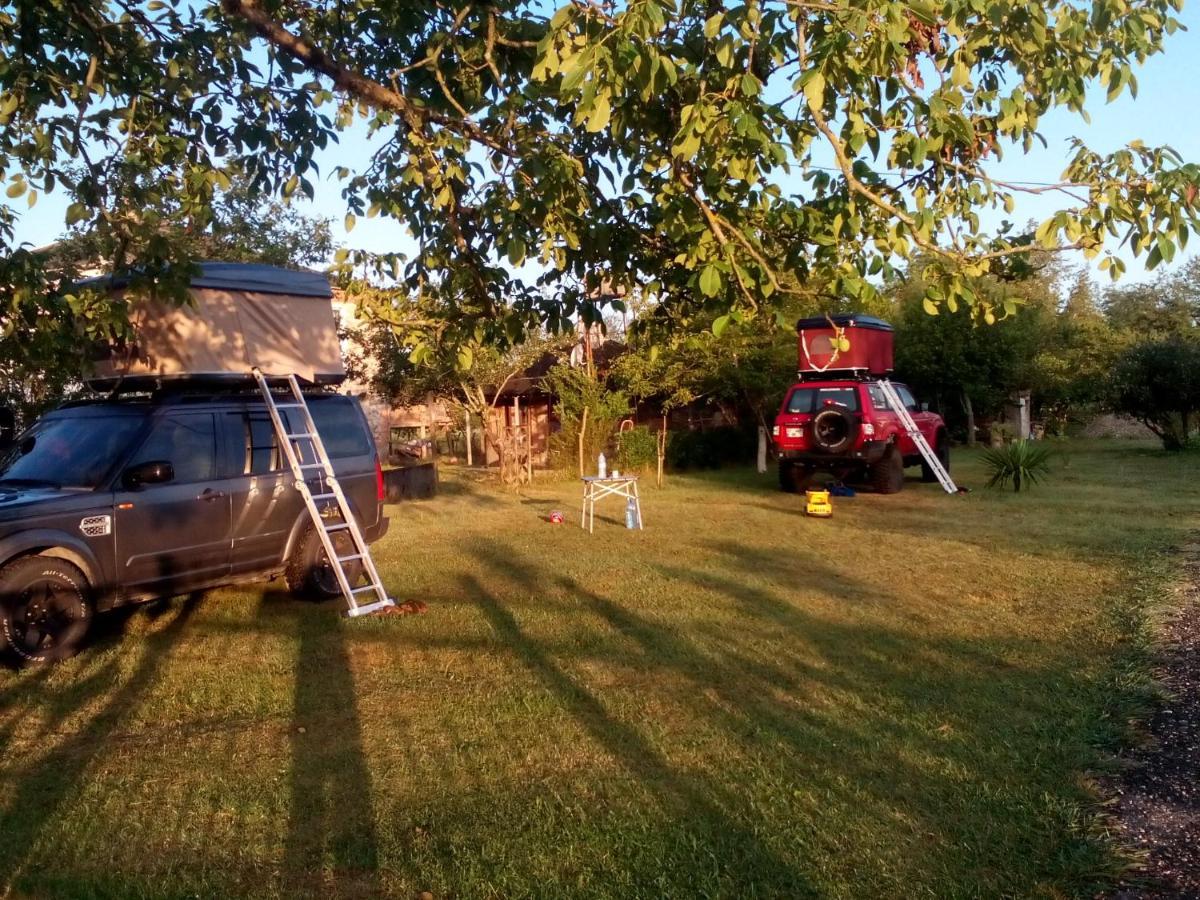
{"type": "Point", "coordinates": [376, 531]}
{"type": "Point", "coordinates": [866, 453]}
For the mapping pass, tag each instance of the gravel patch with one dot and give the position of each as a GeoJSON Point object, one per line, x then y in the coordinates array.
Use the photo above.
{"type": "Point", "coordinates": [1158, 795]}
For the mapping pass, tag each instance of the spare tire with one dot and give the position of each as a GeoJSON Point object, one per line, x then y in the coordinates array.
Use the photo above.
{"type": "Point", "coordinates": [833, 430]}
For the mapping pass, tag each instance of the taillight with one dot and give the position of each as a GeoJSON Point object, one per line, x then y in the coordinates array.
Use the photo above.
{"type": "Point", "coordinates": [868, 429]}
{"type": "Point", "coordinates": [380, 493]}
{"type": "Point", "coordinates": [774, 431]}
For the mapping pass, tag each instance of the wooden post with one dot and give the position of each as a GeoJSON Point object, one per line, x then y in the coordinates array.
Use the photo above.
{"type": "Point", "coordinates": [529, 448]}
{"type": "Point", "coordinates": [470, 453]}
{"type": "Point", "coordinates": [662, 449]}
{"type": "Point", "coordinates": [582, 432]}
{"type": "Point", "coordinates": [762, 450]}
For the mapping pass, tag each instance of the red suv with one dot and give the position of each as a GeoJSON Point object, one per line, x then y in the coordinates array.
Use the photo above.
{"type": "Point", "coordinates": [847, 428]}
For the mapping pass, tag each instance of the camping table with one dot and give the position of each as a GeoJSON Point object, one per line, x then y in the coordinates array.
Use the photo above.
{"type": "Point", "coordinates": [595, 487]}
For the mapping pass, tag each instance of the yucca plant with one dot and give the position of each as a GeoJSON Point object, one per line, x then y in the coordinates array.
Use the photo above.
{"type": "Point", "coordinates": [1024, 463]}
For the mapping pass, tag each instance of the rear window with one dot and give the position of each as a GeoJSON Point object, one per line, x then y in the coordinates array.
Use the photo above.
{"type": "Point", "coordinates": [813, 399]}
{"type": "Point", "coordinates": [342, 427]}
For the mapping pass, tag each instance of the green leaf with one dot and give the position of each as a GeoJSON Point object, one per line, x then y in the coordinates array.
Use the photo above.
{"type": "Point", "coordinates": [814, 89]}
{"type": "Point", "coordinates": [930, 307]}
{"type": "Point", "coordinates": [601, 112]}
{"type": "Point", "coordinates": [516, 251]}
{"type": "Point", "coordinates": [465, 358]}
{"type": "Point", "coordinates": [710, 281]}
{"type": "Point", "coordinates": [349, 222]}
{"type": "Point", "coordinates": [76, 212]}
{"type": "Point", "coordinates": [720, 323]}
{"type": "Point", "coordinates": [750, 85]}
{"type": "Point", "coordinates": [16, 189]}
{"type": "Point", "coordinates": [712, 26]}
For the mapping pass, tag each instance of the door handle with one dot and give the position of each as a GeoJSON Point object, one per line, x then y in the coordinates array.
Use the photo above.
{"type": "Point", "coordinates": [210, 494]}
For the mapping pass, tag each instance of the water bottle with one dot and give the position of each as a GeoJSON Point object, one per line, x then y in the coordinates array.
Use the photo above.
{"type": "Point", "coordinates": [630, 514]}
{"type": "Point", "coordinates": [602, 466]}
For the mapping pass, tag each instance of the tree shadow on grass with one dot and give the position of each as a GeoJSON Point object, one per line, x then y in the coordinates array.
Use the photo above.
{"type": "Point", "coordinates": [966, 754]}
{"type": "Point", "coordinates": [331, 848]}
{"type": "Point", "coordinates": [697, 806]}
{"type": "Point", "coordinates": [43, 788]}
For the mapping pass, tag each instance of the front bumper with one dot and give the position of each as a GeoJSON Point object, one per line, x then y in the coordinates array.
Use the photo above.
{"type": "Point", "coordinates": [867, 452]}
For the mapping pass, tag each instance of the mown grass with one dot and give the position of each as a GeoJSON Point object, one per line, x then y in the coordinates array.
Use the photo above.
{"type": "Point", "coordinates": [908, 699]}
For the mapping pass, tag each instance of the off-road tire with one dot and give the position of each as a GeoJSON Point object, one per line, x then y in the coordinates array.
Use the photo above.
{"type": "Point", "coordinates": [45, 610]}
{"type": "Point", "coordinates": [887, 475]}
{"type": "Point", "coordinates": [308, 575]}
{"type": "Point", "coordinates": [941, 447]}
{"type": "Point", "coordinates": [794, 478]}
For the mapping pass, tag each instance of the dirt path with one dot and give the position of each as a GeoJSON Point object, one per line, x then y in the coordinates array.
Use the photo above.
{"type": "Point", "coordinates": [1158, 797]}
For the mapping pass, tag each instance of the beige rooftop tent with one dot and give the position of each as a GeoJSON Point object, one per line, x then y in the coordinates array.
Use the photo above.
{"type": "Point", "coordinates": [241, 316]}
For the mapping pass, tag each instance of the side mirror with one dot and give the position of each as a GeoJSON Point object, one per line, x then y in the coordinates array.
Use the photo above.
{"type": "Point", "coordinates": [157, 471]}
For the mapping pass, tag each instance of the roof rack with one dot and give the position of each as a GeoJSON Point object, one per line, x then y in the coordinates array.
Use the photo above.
{"type": "Point", "coordinates": [189, 386]}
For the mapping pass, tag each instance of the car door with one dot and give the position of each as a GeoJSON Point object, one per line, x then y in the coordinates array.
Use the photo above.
{"type": "Point", "coordinates": [886, 420]}
{"type": "Point", "coordinates": [175, 536]}
{"type": "Point", "coordinates": [924, 420]}
{"type": "Point", "coordinates": [264, 500]}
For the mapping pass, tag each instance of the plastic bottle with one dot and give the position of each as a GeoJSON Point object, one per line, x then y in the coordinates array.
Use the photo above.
{"type": "Point", "coordinates": [602, 466]}
{"type": "Point", "coordinates": [630, 514]}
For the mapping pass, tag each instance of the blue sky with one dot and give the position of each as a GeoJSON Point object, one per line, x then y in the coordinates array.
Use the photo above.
{"type": "Point", "coordinates": [1165, 112]}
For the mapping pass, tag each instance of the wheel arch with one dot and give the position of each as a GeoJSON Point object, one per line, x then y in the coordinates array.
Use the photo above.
{"type": "Point", "coordinates": [303, 519]}
{"type": "Point", "coordinates": [56, 544]}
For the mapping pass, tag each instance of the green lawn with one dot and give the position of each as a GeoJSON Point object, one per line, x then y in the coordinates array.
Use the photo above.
{"type": "Point", "coordinates": [908, 699]}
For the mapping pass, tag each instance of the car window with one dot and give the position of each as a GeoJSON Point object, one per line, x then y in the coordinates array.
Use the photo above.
{"type": "Point", "coordinates": [69, 451]}
{"type": "Point", "coordinates": [812, 399]}
{"type": "Point", "coordinates": [878, 399]}
{"type": "Point", "coordinates": [254, 450]}
{"type": "Point", "coordinates": [187, 442]}
{"type": "Point", "coordinates": [341, 426]}
{"type": "Point", "coordinates": [906, 398]}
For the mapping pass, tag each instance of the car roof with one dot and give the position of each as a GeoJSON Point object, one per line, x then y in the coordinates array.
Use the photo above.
{"type": "Point", "coordinates": [140, 405]}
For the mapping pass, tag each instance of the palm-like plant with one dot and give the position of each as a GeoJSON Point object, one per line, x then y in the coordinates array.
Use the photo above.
{"type": "Point", "coordinates": [1024, 463]}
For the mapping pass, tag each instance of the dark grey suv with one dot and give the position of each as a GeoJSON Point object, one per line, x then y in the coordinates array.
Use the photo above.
{"type": "Point", "coordinates": [108, 502]}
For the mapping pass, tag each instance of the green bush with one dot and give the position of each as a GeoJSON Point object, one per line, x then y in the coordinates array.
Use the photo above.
{"type": "Point", "coordinates": [1024, 463]}
{"type": "Point", "coordinates": [710, 449]}
{"type": "Point", "coordinates": [1158, 383]}
{"type": "Point", "coordinates": [637, 449]}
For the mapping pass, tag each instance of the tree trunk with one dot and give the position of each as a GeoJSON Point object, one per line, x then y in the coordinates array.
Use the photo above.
{"type": "Point", "coordinates": [970, 410]}
{"type": "Point", "coordinates": [470, 451]}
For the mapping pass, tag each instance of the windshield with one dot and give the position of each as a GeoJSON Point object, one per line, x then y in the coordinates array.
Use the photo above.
{"type": "Point", "coordinates": [814, 399]}
{"type": "Point", "coordinates": [68, 452]}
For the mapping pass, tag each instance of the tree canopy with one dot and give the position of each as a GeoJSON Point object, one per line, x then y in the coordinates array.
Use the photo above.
{"type": "Point", "coordinates": [720, 157]}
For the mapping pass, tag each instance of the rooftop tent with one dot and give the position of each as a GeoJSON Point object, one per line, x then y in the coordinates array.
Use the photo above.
{"type": "Point", "coordinates": [241, 315]}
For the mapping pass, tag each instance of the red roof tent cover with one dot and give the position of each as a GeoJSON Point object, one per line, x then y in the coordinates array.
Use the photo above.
{"type": "Point", "coordinates": [870, 350]}
{"type": "Point", "coordinates": [241, 315]}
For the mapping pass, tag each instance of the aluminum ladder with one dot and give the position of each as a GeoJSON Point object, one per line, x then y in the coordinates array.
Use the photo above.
{"type": "Point", "coordinates": [906, 419]}
{"type": "Point", "coordinates": [292, 444]}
